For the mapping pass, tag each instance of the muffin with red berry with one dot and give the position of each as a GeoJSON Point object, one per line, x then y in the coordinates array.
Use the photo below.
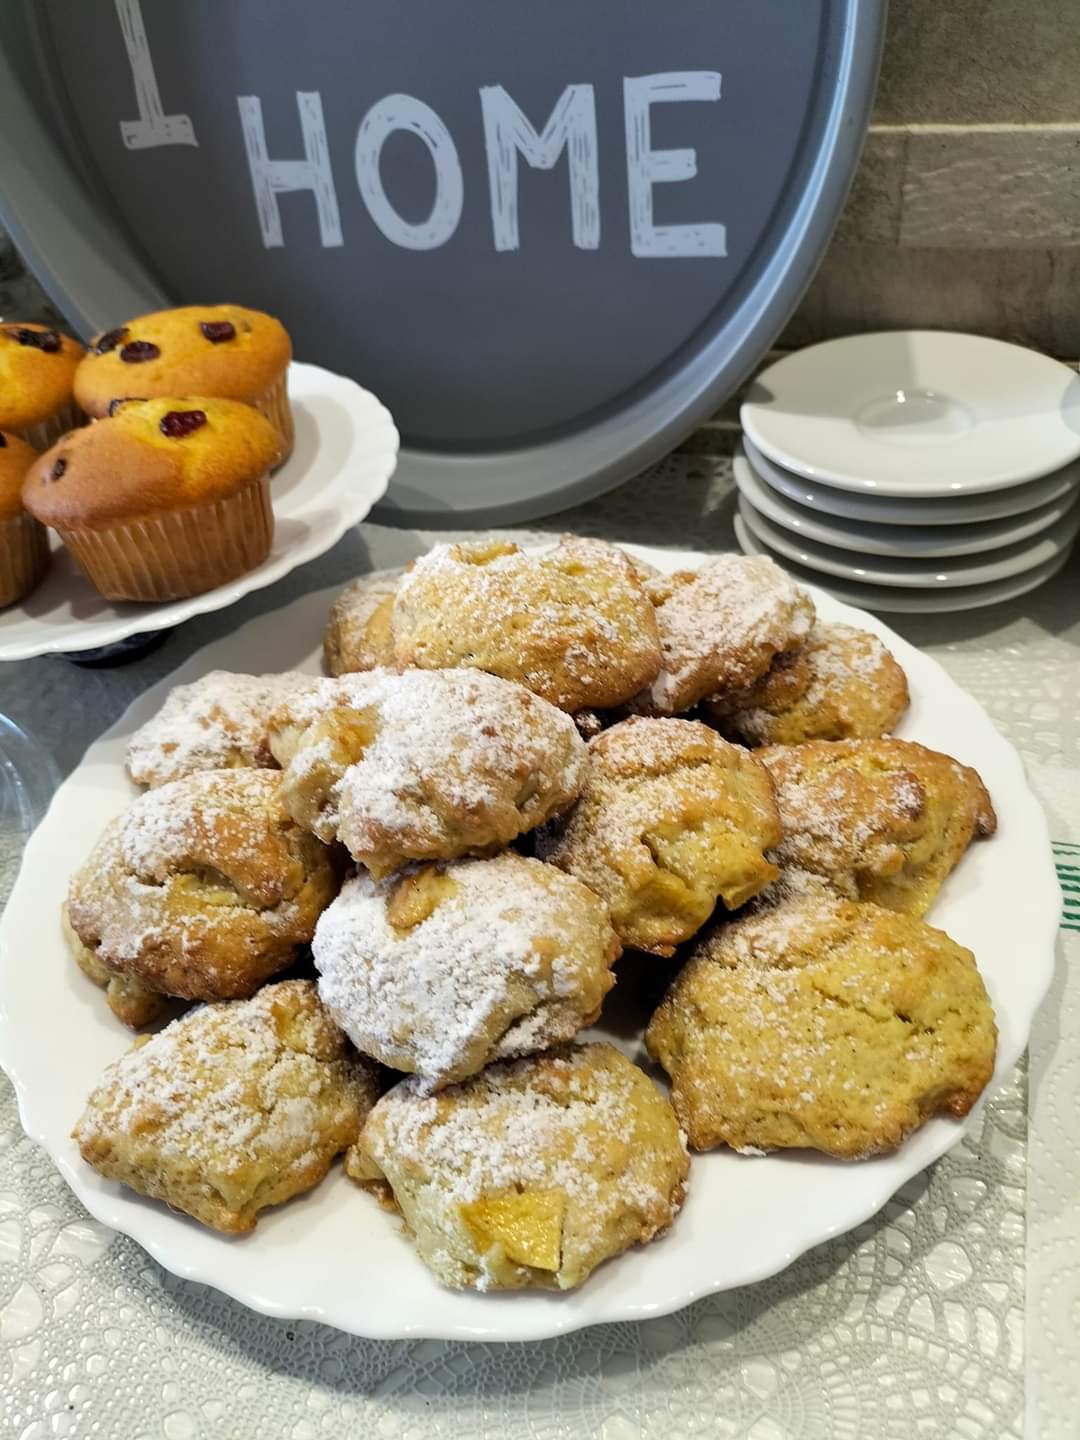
{"type": "Point", "coordinates": [24, 545]}
{"type": "Point", "coordinates": [166, 498]}
{"type": "Point", "coordinates": [37, 372]}
{"type": "Point", "coordinates": [221, 350]}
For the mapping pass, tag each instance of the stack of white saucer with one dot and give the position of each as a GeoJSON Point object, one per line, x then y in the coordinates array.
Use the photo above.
{"type": "Point", "coordinates": [913, 470]}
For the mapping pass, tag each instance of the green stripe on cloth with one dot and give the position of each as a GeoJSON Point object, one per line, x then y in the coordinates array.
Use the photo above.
{"type": "Point", "coordinates": [1067, 857]}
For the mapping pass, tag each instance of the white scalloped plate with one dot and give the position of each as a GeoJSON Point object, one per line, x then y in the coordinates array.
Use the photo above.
{"type": "Point", "coordinates": [333, 1255]}
{"type": "Point", "coordinates": [345, 453]}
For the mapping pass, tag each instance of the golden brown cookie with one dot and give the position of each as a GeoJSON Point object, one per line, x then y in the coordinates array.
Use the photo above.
{"type": "Point", "coordinates": [203, 888]}
{"type": "Point", "coordinates": [426, 765]}
{"type": "Point", "coordinates": [842, 685]}
{"type": "Point", "coordinates": [671, 818]}
{"type": "Point", "coordinates": [883, 820]}
{"type": "Point", "coordinates": [231, 1108]}
{"type": "Point", "coordinates": [820, 1022]}
{"type": "Point", "coordinates": [218, 722]}
{"type": "Point", "coordinates": [227, 351]}
{"type": "Point", "coordinates": [532, 1172]}
{"type": "Point", "coordinates": [37, 373]}
{"type": "Point", "coordinates": [359, 634]}
{"type": "Point", "coordinates": [443, 969]}
{"type": "Point", "coordinates": [721, 627]}
{"type": "Point", "coordinates": [127, 997]}
{"type": "Point", "coordinates": [572, 624]}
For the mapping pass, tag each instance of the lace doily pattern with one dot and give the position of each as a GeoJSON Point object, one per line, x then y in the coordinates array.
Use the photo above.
{"type": "Point", "coordinates": [910, 1326]}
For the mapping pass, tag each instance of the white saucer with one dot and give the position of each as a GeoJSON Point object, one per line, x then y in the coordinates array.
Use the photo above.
{"type": "Point", "coordinates": [916, 541]}
{"type": "Point", "coordinates": [916, 412]}
{"type": "Point", "coordinates": [884, 510]}
{"type": "Point", "coordinates": [910, 602]}
{"type": "Point", "coordinates": [915, 574]}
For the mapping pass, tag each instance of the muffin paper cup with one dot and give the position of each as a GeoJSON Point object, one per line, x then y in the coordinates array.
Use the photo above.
{"type": "Point", "coordinates": [47, 432]}
{"type": "Point", "coordinates": [275, 406]}
{"type": "Point", "coordinates": [24, 556]}
{"type": "Point", "coordinates": [180, 552]}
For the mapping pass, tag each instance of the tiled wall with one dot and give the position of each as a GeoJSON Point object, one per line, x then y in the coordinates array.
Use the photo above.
{"type": "Point", "coordinates": [965, 213]}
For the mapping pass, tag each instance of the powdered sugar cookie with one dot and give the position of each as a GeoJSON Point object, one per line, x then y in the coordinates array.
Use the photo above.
{"type": "Point", "coordinates": [203, 888]}
{"type": "Point", "coordinates": [425, 765]}
{"type": "Point", "coordinates": [721, 628]}
{"type": "Point", "coordinates": [231, 1108]}
{"type": "Point", "coordinates": [358, 633]}
{"type": "Point", "coordinates": [883, 820]}
{"type": "Point", "coordinates": [532, 1172]}
{"type": "Point", "coordinates": [572, 624]}
{"type": "Point", "coordinates": [440, 970]}
{"type": "Point", "coordinates": [842, 685]}
{"type": "Point", "coordinates": [671, 818]}
{"type": "Point", "coordinates": [216, 723]}
{"type": "Point", "coordinates": [818, 1022]}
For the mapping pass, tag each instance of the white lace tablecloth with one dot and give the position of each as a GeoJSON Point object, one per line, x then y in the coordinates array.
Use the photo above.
{"type": "Point", "coordinates": [913, 1325]}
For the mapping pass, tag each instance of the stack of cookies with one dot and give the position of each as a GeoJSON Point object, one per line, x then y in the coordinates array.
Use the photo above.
{"type": "Point", "coordinates": [522, 766]}
{"type": "Point", "coordinates": [166, 493]}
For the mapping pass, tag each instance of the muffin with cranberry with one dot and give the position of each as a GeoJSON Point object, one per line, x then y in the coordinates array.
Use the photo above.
{"type": "Point", "coordinates": [24, 545]}
{"type": "Point", "coordinates": [221, 350]}
{"type": "Point", "coordinates": [164, 499]}
{"type": "Point", "coordinates": [37, 371]}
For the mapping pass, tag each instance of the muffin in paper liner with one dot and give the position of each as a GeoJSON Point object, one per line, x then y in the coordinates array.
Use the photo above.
{"type": "Point", "coordinates": [37, 371]}
{"type": "Point", "coordinates": [46, 433]}
{"type": "Point", "coordinates": [274, 404]}
{"type": "Point", "coordinates": [228, 351]}
{"type": "Point", "coordinates": [24, 556]}
{"type": "Point", "coordinates": [178, 553]}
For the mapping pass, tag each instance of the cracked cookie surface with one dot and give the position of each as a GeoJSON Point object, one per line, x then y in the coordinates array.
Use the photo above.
{"type": "Point", "coordinates": [532, 1172]}
{"type": "Point", "coordinates": [823, 1023]}
{"type": "Point", "coordinates": [203, 888]}
{"type": "Point", "coordinates": [231, 1108]}
{"type": "Point", "coordinates": [671, 819]}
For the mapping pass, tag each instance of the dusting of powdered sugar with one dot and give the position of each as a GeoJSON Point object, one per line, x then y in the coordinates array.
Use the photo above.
{"type": "Point", "coordinates": [582, 630]}
{"type": "Point", "coordinates": [217, 721]}
{"type": "Point", "coordinates": [447, 741]}
{"type": "Point", "coordinates": [133, 895]}
{"type": "Point", "coordinates": [478, 979]}
{"type": "Point", "coordinates": [836, 810]}
{"type": "Point", "coordinates": [220, 1088]}
{"type": "Point", "coordinates": [502, 1131]}
{"type": "Point", "coordinates": [229, 809]}
{"type": "Point", "coordinates": [720, 626]}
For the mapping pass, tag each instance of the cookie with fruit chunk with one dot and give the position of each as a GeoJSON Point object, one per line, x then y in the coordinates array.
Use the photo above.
{"type": "Point", "coordinates": [232, 1108]}
{"type": "Point", "coordinates": [202, 888]}
{"type": "Point", "coordinates": [425, 765]}
{"type": "Point", "coordinates": [442, 969]}
{"type": "Point", "coordinates": [885, 820]}
{"type": "Point", "coordinates": [671, 819]}
{"type": "Point", "coordinates": [531, 1173]}
{"type": "Point", "coordinates": [571, 623]}
{"type": "Point", "coordinates": [842, 685]}
{"type": "Point", "coordinates": [359, 635]}
{"type": "Point", "coordinates": [721, 627]}
{"type": "Point", "coordinates": [218, 722]}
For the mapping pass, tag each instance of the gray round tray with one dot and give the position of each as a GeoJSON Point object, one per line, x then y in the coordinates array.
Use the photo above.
{"type": "Point", "coordinates": [551, 237]}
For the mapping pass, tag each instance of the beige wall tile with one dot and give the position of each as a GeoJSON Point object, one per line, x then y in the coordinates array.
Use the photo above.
{"type": "Point", "coordinates": [872, 212]}
{"type": "Point", "coordinates": [998, 189]}
{"type": "Point", "coordinates": [965, 61]}
{"type": "Point", "coordinates": [1030, 296]}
